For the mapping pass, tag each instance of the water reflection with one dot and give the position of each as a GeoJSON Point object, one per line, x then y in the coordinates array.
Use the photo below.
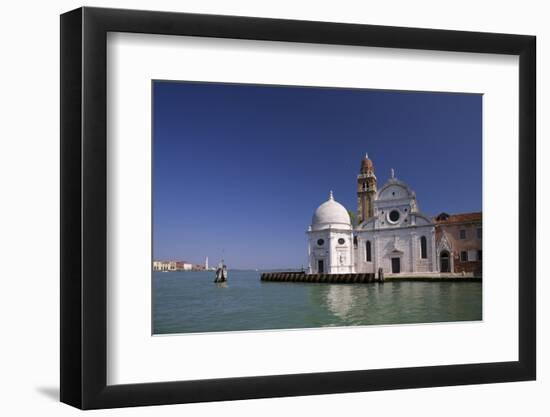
{"type": "Point", "coordinates": [191, 302]}
{"type": "Point", "coordinates": [398, 302]}
{"type": "Point", "coordinates": [341, 300]}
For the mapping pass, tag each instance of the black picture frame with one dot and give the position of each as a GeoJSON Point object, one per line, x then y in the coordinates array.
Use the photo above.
{"type": "Point", "coordinates": [84, 207]}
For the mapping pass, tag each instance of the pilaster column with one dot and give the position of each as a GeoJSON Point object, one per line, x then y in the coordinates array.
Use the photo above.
{"type": "Point", "coordinates": [434, 253]}
{"type": "Point", "coordinates": [329, 245]}
{"type": "Point", "coordinates": [414, 251]}
{"type": "Point", "coordinates": [351, 253]}
{"type": "Point", "coordinates": [309, 263]}
{"type": "Point", "coordinates": [374, 253]}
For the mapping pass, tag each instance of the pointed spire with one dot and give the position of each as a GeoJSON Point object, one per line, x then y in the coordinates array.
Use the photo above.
{"type": "Point", "coordinates": [330, 196]}
{"type": "Point", "coordinates": [392, 174]}
{"type": "Point", "coordinates": [366, 155]}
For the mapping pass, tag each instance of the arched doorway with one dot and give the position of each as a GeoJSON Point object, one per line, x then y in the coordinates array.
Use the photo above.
{"type": "Point", "coordinates": [445, 262]}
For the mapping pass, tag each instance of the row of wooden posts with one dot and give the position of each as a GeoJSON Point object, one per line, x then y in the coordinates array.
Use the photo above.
{"type": "Point", "coordinates": [332, 278]}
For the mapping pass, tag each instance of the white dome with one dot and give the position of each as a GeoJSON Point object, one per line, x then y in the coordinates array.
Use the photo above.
{"type": "Point", "coordinates": [330, 212]}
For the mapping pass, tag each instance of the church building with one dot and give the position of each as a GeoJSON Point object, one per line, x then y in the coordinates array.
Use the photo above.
{"type": "Point", "coordinates": [391, 232]}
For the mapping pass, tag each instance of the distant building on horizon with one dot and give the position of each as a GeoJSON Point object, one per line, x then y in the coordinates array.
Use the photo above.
{"type": "Point", "coordinates": [391, 233]}
{"type": "Point", "coordinates": [171, 266]}
{"type": "Point", "coordinates": [164, 266]}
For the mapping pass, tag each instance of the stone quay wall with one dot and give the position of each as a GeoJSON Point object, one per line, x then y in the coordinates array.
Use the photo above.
{"type": "Point", "coordinates": [360, 278]}
{"type": "Point", "coordinates": [327, 278]}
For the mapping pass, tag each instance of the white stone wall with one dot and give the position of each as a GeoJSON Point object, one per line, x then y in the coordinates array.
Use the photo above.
{"type": "Point", "coordinates": [361, 265]}
{"type": "Point", "coordinates": [341, 253]}
{"type": "Point", "coordinates": [400, 242]}
{"type": "Point", "coordinates": [337, 257]}
{"type": "Point", "coordinates": [318, 252]}
{"type": "Point", "coordinates": [386, 243]}
{"type": "Point", "coordinates": [394, 231]}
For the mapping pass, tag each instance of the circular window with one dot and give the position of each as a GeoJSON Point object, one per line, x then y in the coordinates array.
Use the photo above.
{"type": "Point", "coordinates": [321, 242]}
{"type": "Point", "coordinates": [394, 216]}
{"type": "Point", "coordinates": [341, 241]}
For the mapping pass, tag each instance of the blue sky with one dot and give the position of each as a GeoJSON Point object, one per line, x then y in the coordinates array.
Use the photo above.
{"type": "Point", "coordinates": [239, 169]}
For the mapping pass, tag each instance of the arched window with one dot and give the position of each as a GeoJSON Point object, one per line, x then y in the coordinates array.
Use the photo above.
{"type": "Point", "coordinates": [369, 252]}
{"type": "Point", "coordinates": [423, 248]}
{"type": "Point", "coordinates": [355, 242]}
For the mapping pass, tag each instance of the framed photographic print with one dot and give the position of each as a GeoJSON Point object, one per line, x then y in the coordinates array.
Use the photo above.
{"type": "Point", "coordinates": [258, 207]}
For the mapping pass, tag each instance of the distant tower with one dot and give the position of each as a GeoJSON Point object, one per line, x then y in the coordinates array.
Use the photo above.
{"type": "Point", "coordinates": [366, 189]}
{"type": "Point", "coordinates": [206, 263]}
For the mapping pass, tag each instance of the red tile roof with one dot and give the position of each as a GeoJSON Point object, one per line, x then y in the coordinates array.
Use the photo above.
{"type": "Point", "coordinates": [458, 218]}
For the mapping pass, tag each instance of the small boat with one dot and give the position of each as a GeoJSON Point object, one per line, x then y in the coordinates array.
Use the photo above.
{"type": "Point", "coordinates": [221, 272]}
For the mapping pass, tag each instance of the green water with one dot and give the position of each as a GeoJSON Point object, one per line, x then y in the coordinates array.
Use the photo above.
{"type": "Point", "coordinates": [186, 302]}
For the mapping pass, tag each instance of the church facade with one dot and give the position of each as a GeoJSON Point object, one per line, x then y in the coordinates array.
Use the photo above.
{"type": "Point", "coordinates": [391, 233]}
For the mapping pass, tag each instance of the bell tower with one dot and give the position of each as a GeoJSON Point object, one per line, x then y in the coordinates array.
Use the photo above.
{"type": "Point", "coordinates": [366, 189]}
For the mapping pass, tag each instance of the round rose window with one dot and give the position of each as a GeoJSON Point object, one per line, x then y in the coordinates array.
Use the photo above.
{"type": "Point", "coordinates": [394, 216]}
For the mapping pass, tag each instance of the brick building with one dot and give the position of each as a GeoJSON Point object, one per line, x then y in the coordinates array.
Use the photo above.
{"type": "Point", "coordinates": [459, 242]}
